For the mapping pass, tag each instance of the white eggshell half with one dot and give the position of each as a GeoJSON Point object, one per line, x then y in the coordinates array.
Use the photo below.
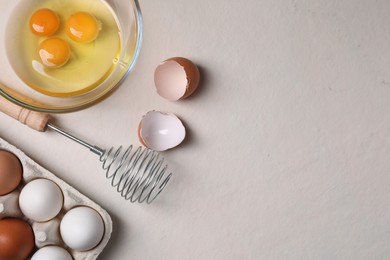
{"type": "Point", "coordinates": [41, 200]}
{"type": "Point", "coordinates": [82, 228]}
{"type": "Point", "coordinates": [51, 253]}
{"type": "Point", "coordinates": [161, 131]}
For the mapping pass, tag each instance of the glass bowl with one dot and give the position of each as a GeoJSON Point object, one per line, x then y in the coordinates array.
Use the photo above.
{"type": "Point", "coordinates": [17, 89]}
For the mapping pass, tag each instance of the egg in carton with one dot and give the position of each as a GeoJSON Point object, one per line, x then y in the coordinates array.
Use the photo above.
{"type": "Point", "coordinates": [67, 223]}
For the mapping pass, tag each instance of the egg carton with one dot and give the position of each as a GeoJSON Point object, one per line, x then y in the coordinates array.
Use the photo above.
{"type": "Point", "coordinates": [47, 233]}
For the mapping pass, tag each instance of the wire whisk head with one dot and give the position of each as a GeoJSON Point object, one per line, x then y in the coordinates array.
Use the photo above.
{"type": "Point", "coordinates": [137, 174]}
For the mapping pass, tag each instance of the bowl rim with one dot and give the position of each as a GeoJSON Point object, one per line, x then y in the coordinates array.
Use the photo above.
{"type": "Point", "coordinates": [139, 27]}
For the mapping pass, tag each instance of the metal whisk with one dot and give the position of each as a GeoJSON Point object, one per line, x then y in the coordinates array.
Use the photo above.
{"type": "Point", "coordinates": [138, 174]}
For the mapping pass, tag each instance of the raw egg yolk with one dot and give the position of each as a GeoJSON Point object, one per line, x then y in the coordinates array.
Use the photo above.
{"type": "Point", "coordinates": [54, 52]}
{"type": "Point", "coordinates": [82, 27]}
{"type": "Point", "coordinates": [44, 22]}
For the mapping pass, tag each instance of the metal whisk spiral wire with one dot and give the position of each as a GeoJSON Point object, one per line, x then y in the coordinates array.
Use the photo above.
{"type": "Point", "coordinates": [139, 175]}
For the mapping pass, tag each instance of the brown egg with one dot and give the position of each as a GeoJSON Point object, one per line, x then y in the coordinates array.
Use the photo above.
{"type": "Point", "coordinates": [10, 172]}
{"type": "Point", "coordinates": [16, 239]}
{"type": "Point", "coordinates": [176, 78]}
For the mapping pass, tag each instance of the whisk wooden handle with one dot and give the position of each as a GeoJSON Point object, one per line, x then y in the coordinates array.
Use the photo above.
{"type": "Point", "coordinates": [35, 120]}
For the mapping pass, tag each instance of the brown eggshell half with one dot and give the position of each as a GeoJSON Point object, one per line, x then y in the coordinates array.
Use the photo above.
{"type": "Point", "coordinates": [176, 78]}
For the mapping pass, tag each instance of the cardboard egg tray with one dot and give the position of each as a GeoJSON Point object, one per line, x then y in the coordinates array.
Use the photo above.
{"type": "Point", "coordinates": [47, 233]}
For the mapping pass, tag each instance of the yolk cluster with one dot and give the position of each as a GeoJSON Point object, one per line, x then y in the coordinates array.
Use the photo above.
{"type": "Point", "coordinates": [54, 52]}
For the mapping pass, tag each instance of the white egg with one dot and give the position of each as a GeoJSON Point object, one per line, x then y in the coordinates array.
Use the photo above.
{"type": "Point", "coordinates": [82, 228]}
{"type": "Point", "coordinates": [161, 131]}
{"type": "Point", "coordinates": [51, 253]}
{"type": "Point", "coordinates": [41, 200]}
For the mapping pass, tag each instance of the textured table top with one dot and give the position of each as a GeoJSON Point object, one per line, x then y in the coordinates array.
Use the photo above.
{"type": "Point", "coordinates": [287, 155]}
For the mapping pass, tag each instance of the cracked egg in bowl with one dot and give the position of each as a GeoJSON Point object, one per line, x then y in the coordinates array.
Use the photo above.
{"type": "Point", "coordinates": [64, 55]}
